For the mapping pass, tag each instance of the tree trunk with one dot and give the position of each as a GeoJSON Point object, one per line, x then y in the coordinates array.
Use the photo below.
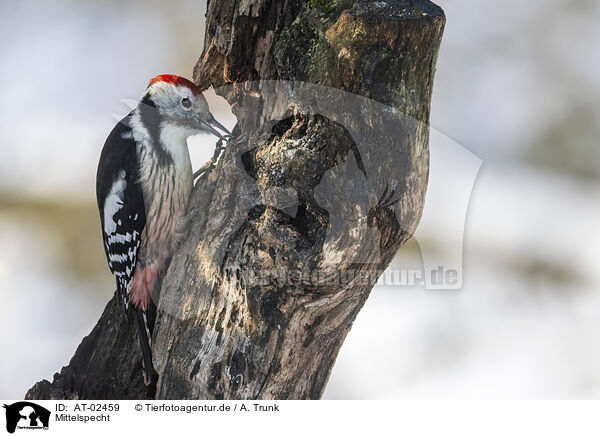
{"type": "Point", "coordinates": [324, 180]}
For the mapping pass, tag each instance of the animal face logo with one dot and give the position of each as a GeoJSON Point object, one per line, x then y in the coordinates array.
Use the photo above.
{"type": "Point", "coordinates": [26, 415]}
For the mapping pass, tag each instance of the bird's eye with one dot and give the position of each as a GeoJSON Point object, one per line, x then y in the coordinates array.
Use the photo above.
{"type": "Point", "coordinates": [186, 103]}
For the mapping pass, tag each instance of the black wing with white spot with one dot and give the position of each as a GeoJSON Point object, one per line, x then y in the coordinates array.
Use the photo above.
{"type": "Point", "coordinates": [121, 204]}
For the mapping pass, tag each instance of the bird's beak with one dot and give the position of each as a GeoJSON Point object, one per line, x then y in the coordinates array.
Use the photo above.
{"type": "Point", "coordinates": [212, 125]}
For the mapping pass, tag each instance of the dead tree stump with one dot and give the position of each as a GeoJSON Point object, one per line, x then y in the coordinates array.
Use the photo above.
{"type": "Point", "coordinates": [323, 182]}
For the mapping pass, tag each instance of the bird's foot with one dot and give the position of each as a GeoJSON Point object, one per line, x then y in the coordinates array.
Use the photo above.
{"type": "Point", "coordinates": [212, 163]}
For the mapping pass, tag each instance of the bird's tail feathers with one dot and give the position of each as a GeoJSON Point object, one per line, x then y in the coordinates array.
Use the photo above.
{"type": "Point", "coordinates": [141, 322]}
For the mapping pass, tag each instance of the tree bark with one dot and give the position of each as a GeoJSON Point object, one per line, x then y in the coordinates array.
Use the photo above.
{"type": "Point", "coordinates": [323, 182]}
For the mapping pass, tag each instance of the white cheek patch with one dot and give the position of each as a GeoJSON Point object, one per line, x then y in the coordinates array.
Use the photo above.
{"type": "Point", "coordinates": [114, 203]}
{"type": "Point", "coordinates": [174, 141]}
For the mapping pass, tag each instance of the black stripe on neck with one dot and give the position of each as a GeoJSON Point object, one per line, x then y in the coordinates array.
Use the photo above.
{"type": "Point", "coordinates": [151, 119]}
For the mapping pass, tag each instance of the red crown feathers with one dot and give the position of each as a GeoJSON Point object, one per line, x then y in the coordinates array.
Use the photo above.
{"type": "Point", "coordinates": [176, 80]}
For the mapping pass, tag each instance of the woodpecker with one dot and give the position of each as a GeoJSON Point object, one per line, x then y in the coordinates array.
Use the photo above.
{"type": "Point", "coordinates": [143, 185]}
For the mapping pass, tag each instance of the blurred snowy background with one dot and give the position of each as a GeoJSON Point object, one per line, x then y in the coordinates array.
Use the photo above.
{"type": "Point", "coordinates": [518, 84]}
